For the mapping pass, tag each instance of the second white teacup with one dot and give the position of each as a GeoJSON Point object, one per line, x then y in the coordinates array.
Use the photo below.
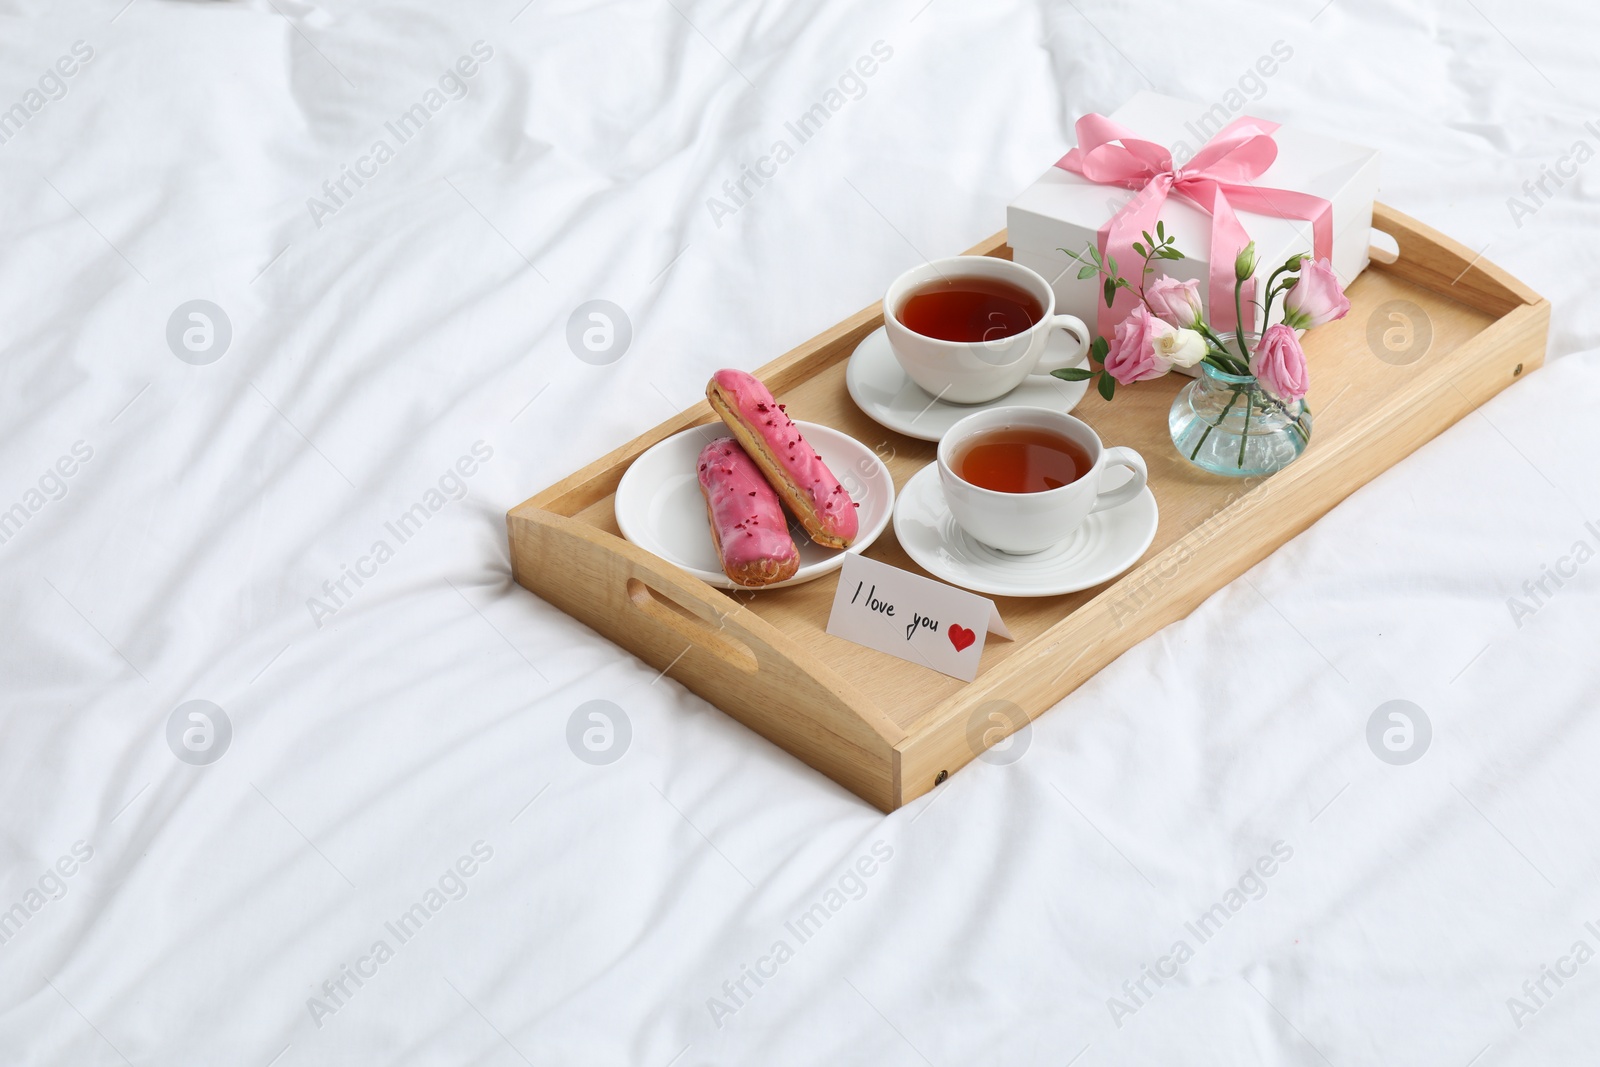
{"type": "Point", "coordinates": [974, 372]}
{"type": "Point", "coordinates": [1026, 522]}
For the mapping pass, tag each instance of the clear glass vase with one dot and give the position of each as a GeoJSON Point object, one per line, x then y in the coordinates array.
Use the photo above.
{"type": "Point", "coordinates": [1227, 424]}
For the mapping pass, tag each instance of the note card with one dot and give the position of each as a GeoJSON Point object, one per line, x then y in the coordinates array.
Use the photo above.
{"type": "Point", "coordinates": [915, 618]}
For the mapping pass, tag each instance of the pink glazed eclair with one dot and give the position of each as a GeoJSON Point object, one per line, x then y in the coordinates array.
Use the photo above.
{"type": "Point", "coordinates": [747, 523]}
{"type": "Point", "coordinates": [773, 442]}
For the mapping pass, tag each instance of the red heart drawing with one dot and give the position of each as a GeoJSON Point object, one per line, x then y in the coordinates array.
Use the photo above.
{"type": "Point", "coordinates": [960, 636]}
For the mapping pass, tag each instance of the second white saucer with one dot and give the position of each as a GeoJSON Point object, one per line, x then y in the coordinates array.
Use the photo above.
{"type": "Point", "coordinates": [1108, 543]}
{"type": "Point", "coordinates": [881, 388]}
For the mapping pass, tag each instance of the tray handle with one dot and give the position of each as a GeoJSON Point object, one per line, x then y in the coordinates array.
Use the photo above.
{"type": "Point", "coordinates": [712, 644]}
{"type": "Point", "coordinates": [1444, 265]}
{"type": "Point", "coordinates": [688, 623]}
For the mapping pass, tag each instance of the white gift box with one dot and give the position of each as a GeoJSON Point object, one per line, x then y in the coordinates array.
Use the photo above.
{"type": "Point", "coordinates": [1066, 210]}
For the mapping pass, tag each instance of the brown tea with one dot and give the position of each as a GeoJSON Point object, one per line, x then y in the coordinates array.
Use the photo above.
{"type": "Point", "coordinates": [1021, 460]}
{"type": "Point", "coordinates": [970, 309]}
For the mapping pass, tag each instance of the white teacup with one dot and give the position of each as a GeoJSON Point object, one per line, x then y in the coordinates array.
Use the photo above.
{"type": "Point", "coordinates": [974, 372]}
{"type": "Point", "coordinates": [1021, 523]}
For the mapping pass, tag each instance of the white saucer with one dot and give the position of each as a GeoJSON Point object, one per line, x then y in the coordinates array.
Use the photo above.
{"type": "Point", "coordinates": [880, 387]}
{"type": "Point", "coordinates": [1108, 543]}
{"type": "Point", "coordinates": [660, 508]}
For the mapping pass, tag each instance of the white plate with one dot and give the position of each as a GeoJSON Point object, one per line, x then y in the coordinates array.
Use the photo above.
{"type": "Point", "coordinates": [880, 387]}
{"type": "Point", "coordinates": [1108, 543]}
{"type": "Point", "coordinates": [660, 508]}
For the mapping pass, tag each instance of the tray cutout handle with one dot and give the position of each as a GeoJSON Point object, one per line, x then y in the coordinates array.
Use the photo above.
{"type": "Point", "coordinates": [665, 610]}
{"type": "Point", "coordinates": [1384, 248]}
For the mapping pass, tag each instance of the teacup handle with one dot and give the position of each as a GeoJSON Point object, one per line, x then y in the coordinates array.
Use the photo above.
{"type": "Point", "coordinates": [1079, 333]}
{"type": "Point", "coordinates": [1122, 457]}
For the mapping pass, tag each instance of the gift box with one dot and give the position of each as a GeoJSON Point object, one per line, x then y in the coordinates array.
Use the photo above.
{"type": "Point", "coordinates": [1271, 181]}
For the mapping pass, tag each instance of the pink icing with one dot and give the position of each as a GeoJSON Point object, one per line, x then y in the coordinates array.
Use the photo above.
{"type": "Point", "coordinates": [757, 408]}
{"type": "Point", "coordinates": [750, 521]}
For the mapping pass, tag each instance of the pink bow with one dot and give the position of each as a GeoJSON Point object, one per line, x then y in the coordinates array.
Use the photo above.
{"type": "Point", "coordinates": [1216, 180]}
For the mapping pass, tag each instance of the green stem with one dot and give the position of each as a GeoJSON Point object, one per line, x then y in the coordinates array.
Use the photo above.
{"type": "Point", "coordinates": [1244, 438]}
{"type": "Point", "coordinates": [1205, 331]}
{"type": "Point", "coordinates": [1266, 310]}
{"type": "Point", "coordinates": [1225, 363]}
{"type": "Point", "coordinates": [1296, 422]}
{"type": "Point", "coordinates": [1238, 316]}
{"type": "Point", "coordinates": [1272, 295]}
{"type": "Point", "coordinates": [1213, 425]}
{"type": "Point", "coordinates": [1232, 366]}
{"type": "Point", "coordinates": [1144, 270]}
{"type": "Point", "coordinates": [1305, 438]}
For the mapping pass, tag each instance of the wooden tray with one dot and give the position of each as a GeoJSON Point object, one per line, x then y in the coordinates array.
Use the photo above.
{"type": "Point", "coordinates": [890, 730]}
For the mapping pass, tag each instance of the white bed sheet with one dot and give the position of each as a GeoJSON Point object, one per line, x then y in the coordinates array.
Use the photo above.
{"type": "Point", "coordinates": [612, 911]}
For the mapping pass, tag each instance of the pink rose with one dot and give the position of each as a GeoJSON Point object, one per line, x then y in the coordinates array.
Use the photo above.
{"type": "Point", "coordinates": [1175, 302]}
{"type": "Point", "coordinates": [1280, 365]}
{"type": "Point", "coordinates": [1315, 298]}
{"type": "Point", "coordinates": [1132, 356]}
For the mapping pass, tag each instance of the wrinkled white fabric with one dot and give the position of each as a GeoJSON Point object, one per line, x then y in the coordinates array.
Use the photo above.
{"type": "Point", "coordinates": [413, 728]}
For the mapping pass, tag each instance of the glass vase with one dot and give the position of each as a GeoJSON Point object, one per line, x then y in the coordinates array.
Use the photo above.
{"type": "Point", "coordinates": [1227, 424]}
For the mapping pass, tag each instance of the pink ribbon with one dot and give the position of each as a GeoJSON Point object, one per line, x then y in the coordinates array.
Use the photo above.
{"type": "Point", "coordinates": [1217, 180]}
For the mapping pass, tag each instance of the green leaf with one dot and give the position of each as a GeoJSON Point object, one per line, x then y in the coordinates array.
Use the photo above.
{"type": "Point", "coordinates": [1099, 349]}
{"type": "Point", "coordinates": [1147, 238]}
{"type": "Point", "coordinates": [1111, 264]}
{"type": "Point", "coordinates": [1074, 374]}
{"type": "Point", "coordinates": [1161, 229]}
{"type": "Point", "coordinates": [1088, 271]}
{"type": "Point", "coordinates": [1138, 249]}
{"type": "Point", "coordinates": [1108, 385]}
{"type": "Point", "coordinates": [1111, 292]}
{"type": "Point", "coordinates": [1171, 253]}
